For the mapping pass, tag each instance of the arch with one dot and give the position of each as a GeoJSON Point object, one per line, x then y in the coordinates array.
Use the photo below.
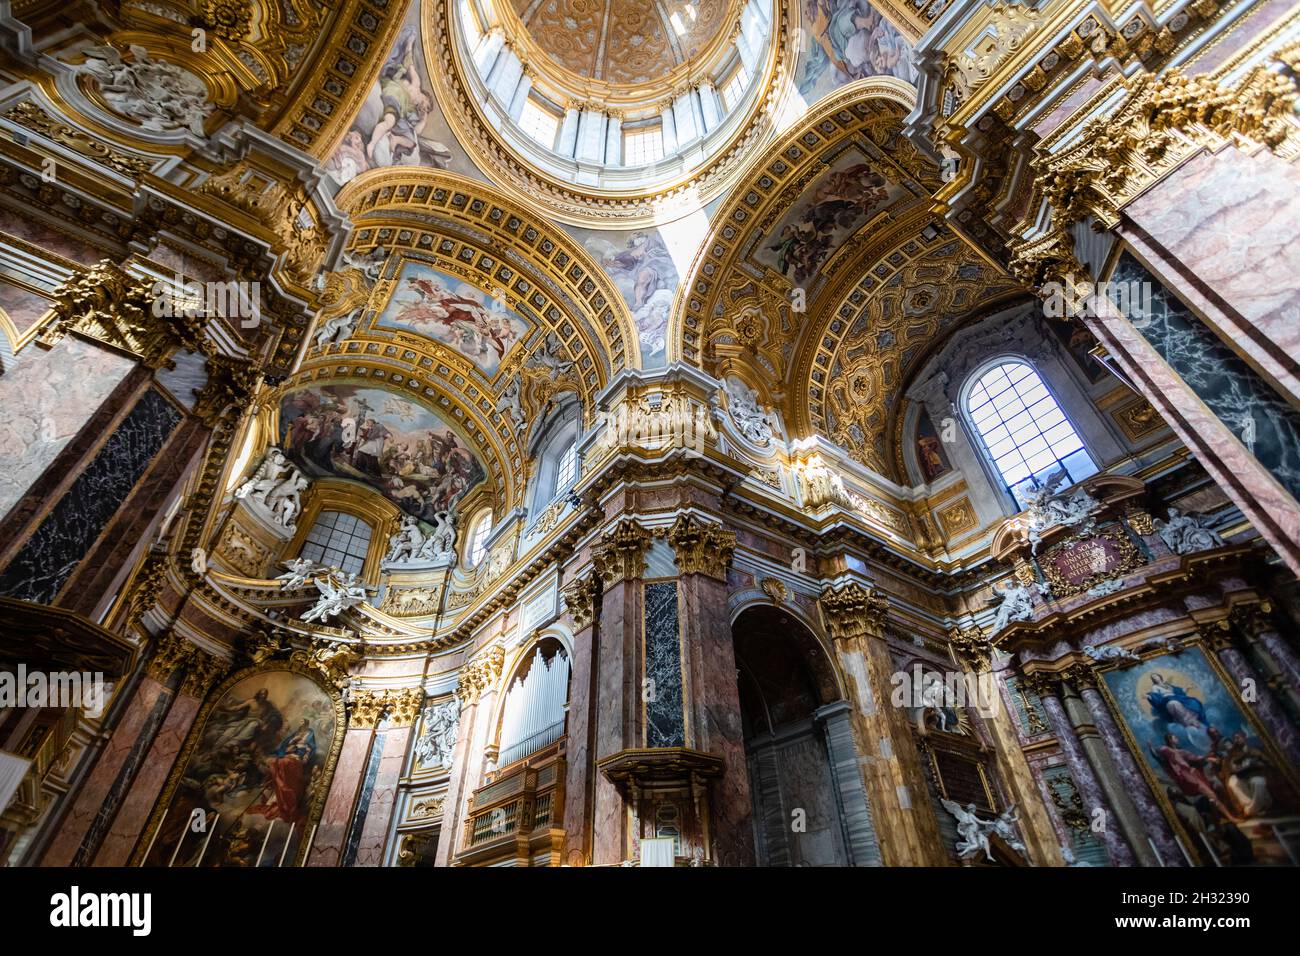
{"type": "Point", "coordinates": [537, 717]}
{"type": "Point", "coordinates": [419, 209]}
{"type": "Point", "coordinates": [869, 111]}
{"type": "Point", "coordinates": [789, 697]}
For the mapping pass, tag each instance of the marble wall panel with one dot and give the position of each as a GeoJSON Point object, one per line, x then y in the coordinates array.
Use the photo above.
{"type": "Point", "coordinates": [47, 397]}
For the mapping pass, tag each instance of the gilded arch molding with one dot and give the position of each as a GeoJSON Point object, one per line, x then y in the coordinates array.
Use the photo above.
{"type": "Point", "coordinates": [499, 244]}
{"type": "Point", "coordinates": [870, 112]}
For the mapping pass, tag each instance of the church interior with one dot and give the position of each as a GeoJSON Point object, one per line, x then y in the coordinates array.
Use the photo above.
{"type": "Point", "coordinates": [660, 433]}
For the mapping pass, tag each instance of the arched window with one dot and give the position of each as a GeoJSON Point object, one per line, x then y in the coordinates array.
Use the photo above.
{"type": "Point", "coordinates": [1025, 433]}
{"type": "Point", "coordinates": [533, 714]}
{"type": "Point", "coordinates": [479, 532]}
{"type": "Point", "coordinates": [338, 540]}
{"type": "Point", "coordinates": [555, 449]}
{"type": "Point", "coordinates": [567, 469]}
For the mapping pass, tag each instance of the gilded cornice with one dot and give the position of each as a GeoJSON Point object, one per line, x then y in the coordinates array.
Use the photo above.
{"type": "Point", "coordinates": [560, 199]}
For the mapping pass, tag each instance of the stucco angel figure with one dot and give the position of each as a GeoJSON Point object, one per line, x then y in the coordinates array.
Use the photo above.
{"type": "Point", "coordinates": [511, 405]}
{"type": "Point", "coordinates": [441, 721]}
{"type": "Point", "coordinates": [339, 590]}
{"type": "Point", "coordinates": [1188, 533]}
{"type": "Point", "coordinates": [751, 418]}
{"type": "Point", "coordinates": [1046, 508]}
{"type": "Point", "coordinates": [273, 470]}
{"type": "Point", "coordinates": [443, 540]}
{"type": "Point", "coordinates": [371, 264]}
{"type": "Point", "coordinates": [407, 542]}
{"type": "Point", "coordinates": [337, 328]}
{"type": "Point", "coordinates": [300, 569]}
{"type": "Point", "coordinates": [548, 359]}
{"type": "Point", "coordinates": [1017, 603]}
{"type": "Point", "coordinates": [971, 830]}
{"type": "Point", "coordinates": [160, 96]}
{"type": "Point", "coordinates": [1004, 826]}
{"type": "Point", "coordinates": [286, 502]}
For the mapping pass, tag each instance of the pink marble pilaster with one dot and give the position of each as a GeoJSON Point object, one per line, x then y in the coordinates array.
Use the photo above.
{"type": "Point", "coordinates": [332, 831]}
{"type": "Point", "coordinates": [374, 832]}
{"type": "Point", "coordinates": [98, 783]}
{"type": "Point", "coordinates": [148, 783]}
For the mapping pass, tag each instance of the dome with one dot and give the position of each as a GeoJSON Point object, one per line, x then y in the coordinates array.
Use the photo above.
{"type": "Point", "coordinates": [609, 104]}
{"type": "Point", "coordinates": [623, 43]}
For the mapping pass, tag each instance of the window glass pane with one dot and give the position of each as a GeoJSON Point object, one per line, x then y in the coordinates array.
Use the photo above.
{"type": "Point", "coordinates": [567, 469]}
{"type": "Point", "coordinates": [539, 123]}
{"type": "Point", "coordinates": [338, 540]}
{"type": "Point", "coordinates": [1024, 430]}
{"type": "Point", "coordinates": [643, 145]}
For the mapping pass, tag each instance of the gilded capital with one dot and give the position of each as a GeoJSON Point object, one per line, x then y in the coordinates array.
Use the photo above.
{"type": "Point", "coordinates": [404, 706]}
{"type": "Point", "coordinates": [110, 305]}
{"type": "Point", "coordinates": [170, 653]}
{"type": "Point", "coordinates": [702, 547]}
{"type": "Point", "coordinates": [480, 675]}
{"type": "Point", "coordinates": [853, 611]}
{"type": "Point", "coordinates": [579, 598]}
{"type": "Point", "coordinates": [202, 670]}
{"type": "Point", "coordinates": [1082, 674]}
{"type": "Point", "coordinates": [620, 553]}
{"type": "Point", "coordinates": [972, 646]}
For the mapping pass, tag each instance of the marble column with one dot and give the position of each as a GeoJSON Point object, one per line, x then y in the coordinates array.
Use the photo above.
{"type": "Point", "coordinates": [383, 792]}
{"type": "Point", "coordinates": [892, 773]}
{"type": "Point", "coordinates": [1134, 783]}
{"type": "Point", "coordinates": [1085, 779]}
{"type": "Point", "coordinates": [711, 693]}
{"type": "Point", "coordinates": [127, 743]}
{"type": "Point", "coordinates": [476, 691]}
{"type": "Point", "coordinates": [1265, 704]}
{"type": "Point", "coordinates": [1272, 654]}
{"type": "Point", "coordinates": [580, 755]}
{"type": "Point", "coordinates": [836, 720]}
{"type": "Point", "coordinates": [619, 565]}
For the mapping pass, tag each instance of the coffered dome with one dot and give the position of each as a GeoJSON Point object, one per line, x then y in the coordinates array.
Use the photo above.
{"type": "Point", "coordinates": [625, 43]}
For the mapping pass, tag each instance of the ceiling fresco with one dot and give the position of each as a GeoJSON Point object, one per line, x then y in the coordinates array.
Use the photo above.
{"type": "Point", "coordinates": [382, 439]}
{"type": "Point", "coordinates": [454, 313]}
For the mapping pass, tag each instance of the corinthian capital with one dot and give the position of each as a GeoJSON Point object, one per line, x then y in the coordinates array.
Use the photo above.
{"type": "Point", "coordinates": [702, 547]}
{"type": "Point", "coordinates": [620, 554]}
{"type": "Point", "coordinates": [853, 611]}
{"type": "Point", "coordinates": [480, 675]}
{"type": "Point", "coordinates": [579, 598]}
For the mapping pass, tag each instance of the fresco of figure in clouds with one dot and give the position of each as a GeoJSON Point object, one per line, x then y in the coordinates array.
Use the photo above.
{"type": "Point", "coordinates": [399, 124]}
{"type": "Point", "coordinates": [256, 773]}
{"type": "Point", "coordinates": [1209, 761]}
{"type": "Point", "coordinates": [401, 449]}
{"type": "Point", "coordinates": [641, 266]}
{"type": "Point", "coordinates": [838, 203]}
{"type": "Point", "coordinates": [433, 304]}
{"type": "Point", "coordinates": [846, 40]}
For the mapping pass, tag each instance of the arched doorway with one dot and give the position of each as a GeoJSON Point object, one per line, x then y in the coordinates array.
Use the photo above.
{"type": "Point", "coordinates": [809, 807]}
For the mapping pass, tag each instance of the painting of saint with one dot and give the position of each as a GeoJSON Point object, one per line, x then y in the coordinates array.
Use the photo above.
{"type": "Point", "coordinates": [454, 313]}
{"type": "Point", "coordinates": [929, 450]}
{"type": "Point", "coordinates": [640, 265]}
{"type": "Point", "coordinates": [837, 203]}
{"type": "Point", "coordinates": [256, 768]}
{"type": "Point", "coordinates": [401, 449]}
{"type": "Point", "coordinates": [399, 123]}
{"type": "Point", "coordinates": [846, 40]}
{"type": "Point", "coordinates": [1206, 757]}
